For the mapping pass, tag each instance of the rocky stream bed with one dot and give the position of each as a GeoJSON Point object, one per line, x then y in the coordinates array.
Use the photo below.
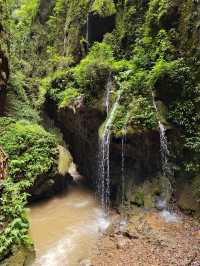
{"type": "Point", "coordinates": [153, 239]}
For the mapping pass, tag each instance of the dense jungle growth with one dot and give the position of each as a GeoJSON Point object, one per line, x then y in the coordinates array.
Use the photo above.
{"type": "Point", "coordinates": [56, 59]}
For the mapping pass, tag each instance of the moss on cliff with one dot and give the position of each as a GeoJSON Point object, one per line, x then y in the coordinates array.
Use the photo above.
{"type": "Point", "coordinates": [32, 151]}
{"type": "Point", "coordinates": [149, 39]}
{"type": "Point", "coordinates": [153, 50]}
{"type": "Point", "coordinates": [32, 154]}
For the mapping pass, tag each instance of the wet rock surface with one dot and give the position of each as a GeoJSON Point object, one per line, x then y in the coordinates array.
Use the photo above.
{"type": "Point", "coordinates": [80, 131]}
{"type": "Point", "coordinates": [21, 256]}
{"type": "Point", "coordinates": [142, 158]}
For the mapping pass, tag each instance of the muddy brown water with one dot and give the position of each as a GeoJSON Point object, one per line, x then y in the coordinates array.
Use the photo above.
{"type": "Point", "coordinates": [66, 228]}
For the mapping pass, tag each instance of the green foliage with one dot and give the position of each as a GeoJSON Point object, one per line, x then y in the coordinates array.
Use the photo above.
{"type": "Point", "coordinates": [13, 221]}
{"type": "Point", "coordinates": [104, 7]}
{"type": "Point", "coordinates": [59, 87]}
{"type": "Point", "coordinates": [56, 60]}
{"type": "Point", "coordinates": [153, 48]}
{"type": "Point", "coordinates": [65, 27]}
{"type": "Point", "coordinates": [129, 19]}
{"type": "Point", "coordinates": [23, 13]}
{"type": "Point", "coordinates": [142, 113]}
{"type": "Point", "coordinates": [157, 9]}
{"type": "Point", "coordinates": [174, 70]}
{"type": "Point", "coordinates": [70, 97]}
{"type": "Point", "coordinates": [191, 163]}
{"type": "Point", "coordinates": [56, 21]}
{"type": "Point", "coordinates": [182, 114]}
{"type": "Point", "coordinates": [194, 143]}
{"type": "Point", "coordinates": [20, 105]}
{"type": "Point", "coordinates": [93, 70]}
{"type": "Point", "coordinates": [137, 113]}
{"type": "Point", "coordinates": [4, 22]}
{"type": "Point", "coordinates": [32, 151]}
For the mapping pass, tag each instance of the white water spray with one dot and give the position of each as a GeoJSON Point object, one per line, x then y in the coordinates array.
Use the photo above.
{"type": "Point", "coordinates": [162, 203]}
{"type": "Point", "coordinates": [104, 155]}
{"type": "Point", "coordinates": [164, 149]}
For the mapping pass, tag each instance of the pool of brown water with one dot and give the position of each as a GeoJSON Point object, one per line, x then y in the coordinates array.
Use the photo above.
{"type": "Point", "coordinates": [66, 228]}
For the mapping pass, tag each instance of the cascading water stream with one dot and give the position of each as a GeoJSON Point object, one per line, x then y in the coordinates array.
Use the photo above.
{"type": "Point", "coordinates": [162, 203]}
{"type": "Point", "coordinates": [104, 152]}
{"type": "Point", "coordinates": [164, 150]}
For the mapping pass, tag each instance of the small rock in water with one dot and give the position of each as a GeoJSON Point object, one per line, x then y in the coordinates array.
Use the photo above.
{"type": "Point", "coordinates": [86, 262]}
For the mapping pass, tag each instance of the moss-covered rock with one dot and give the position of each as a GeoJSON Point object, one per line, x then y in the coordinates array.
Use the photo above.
{"type": "Point", "coordinates": [32, 151]}
{"type": "Point", "coordinates": [36, 167]}
{"type": "Point", "coordinates": [21, 257]}
{"type": "Point", "coordinates": [146, 194]}
{"type": "Point", "coordinates": [33, 156]}
{"type": "Point", "coordinates": [187, 201]}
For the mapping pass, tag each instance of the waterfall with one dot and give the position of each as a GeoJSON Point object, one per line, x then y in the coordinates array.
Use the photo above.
{"type": "Point", "coordinates": [104, 171]}
{"type": "Point", "coordinates": [104, 155]}
{"type": "Point", "coordinates": [167, 171]}
{"type": "Point", "coordinates": [164, 151]}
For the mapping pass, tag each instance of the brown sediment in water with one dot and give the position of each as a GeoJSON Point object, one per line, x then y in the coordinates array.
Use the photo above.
{"type": "Point", "coordinates": [66, 228]}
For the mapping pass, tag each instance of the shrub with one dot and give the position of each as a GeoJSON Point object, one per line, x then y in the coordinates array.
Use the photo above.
{"type": "Point", "coordinates": [32, 151]}
{"type": "Point", "coordinates": [104, 7]}
{"type": "Point", "coordinates": [93, 71]}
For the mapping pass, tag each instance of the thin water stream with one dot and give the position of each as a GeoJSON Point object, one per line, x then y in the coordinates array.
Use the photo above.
{"type": "Point", "coordinates": [164, 149]}
{"type": "Point", "coordinates": [66, 228]}
{"type": "Point", "coordinates": [104, 154]}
